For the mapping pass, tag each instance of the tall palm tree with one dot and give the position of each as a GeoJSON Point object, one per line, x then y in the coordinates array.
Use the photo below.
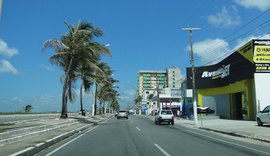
{"type": "Point", "coordinates": [73, 51]}
{"type": "Point", "coordinates": [101, 78]}
{"type": "Point", "coordinates": [106, 93]}
{"type": "Point", "coordinates": [88, 76]}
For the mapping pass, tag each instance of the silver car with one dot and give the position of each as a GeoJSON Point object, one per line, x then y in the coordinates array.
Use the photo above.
{"type": "Point", "coordinates": [263, 116]}
{"type": "Point", "coordinates": [122, 114]}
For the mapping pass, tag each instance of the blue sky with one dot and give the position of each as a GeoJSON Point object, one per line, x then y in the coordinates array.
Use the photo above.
{"type": "Point", "coordinates": [143, 35]}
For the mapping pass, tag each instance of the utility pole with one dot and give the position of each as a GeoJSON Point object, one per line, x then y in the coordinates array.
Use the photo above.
{"type": "Point", "coordinates": [193, 74]}
{"type": "Point", "coordinates": [157, 88]}
{"type": "Point", "coordinates": [0, 8]}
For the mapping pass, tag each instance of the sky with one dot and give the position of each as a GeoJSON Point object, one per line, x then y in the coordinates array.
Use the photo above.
{"type": "Point", "coordinates": [143, 35]}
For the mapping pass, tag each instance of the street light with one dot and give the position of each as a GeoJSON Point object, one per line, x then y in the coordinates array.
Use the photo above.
{"type": "Point", "coordinates": [193, 74]}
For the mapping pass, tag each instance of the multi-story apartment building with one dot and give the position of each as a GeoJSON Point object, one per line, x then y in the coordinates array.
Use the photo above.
{"type": "Point", "coordinates": [173, 77]}
{"type": "Point", "coordinates": [149, 82]}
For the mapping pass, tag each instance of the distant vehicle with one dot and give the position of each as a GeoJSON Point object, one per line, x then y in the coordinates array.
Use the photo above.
{"type": "Point", "coordinates": [122, 114]}
{"type": "Point", "coordinates": [164, 116]}
{"type": "Point", "coordinates": [263, 116]}
{"type": "Point", "coordinates": [203, 110]}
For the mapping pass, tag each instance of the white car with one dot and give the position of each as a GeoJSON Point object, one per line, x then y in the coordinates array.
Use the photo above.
{"type": "Point", "coordinates": [263, 116]}
{"type": "Point", "coordinates": [122, 114]}
{"type": "Point", "coordinates": [164, 116]}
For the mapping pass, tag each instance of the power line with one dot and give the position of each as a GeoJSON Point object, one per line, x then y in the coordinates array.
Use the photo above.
{"type": "Point", "coordinates": [255, 29]}
{"type": "Point", "coordinates": [245, 25]}
{"type": "Point", "coordinates": [232, 52]}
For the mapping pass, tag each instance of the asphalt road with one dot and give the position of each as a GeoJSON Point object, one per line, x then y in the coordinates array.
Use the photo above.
{"type": "Point", "coordinates": [139, 136]}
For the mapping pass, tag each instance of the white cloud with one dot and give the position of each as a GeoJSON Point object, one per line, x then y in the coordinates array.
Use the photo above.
{"type": "Point", "coordinates": [258, 4]}
{"type": "Point", "coordinates": [7, 67]}
{"type": "Point", "coordinates": [242, 41]}
{"type": "Point", "coordinates": [48, 68]}
{"type": "Point", "coordinates": [127, 94]}
{"type": "Point", "coordinates": [16, 100]}
{"type": "Point", "coordinates": [225, 18]}
{"type": "Point", "coordinates": [211, 50]}
{"type": "Point", "coordinates": [7, 51]}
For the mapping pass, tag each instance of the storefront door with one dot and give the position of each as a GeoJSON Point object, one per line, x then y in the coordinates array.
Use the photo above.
{"type": "Point", "coordinates": [236, 105]}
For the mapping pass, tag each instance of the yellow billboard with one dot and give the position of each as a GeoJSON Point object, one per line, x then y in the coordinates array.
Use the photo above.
{"type": "Point", "coordinates": [261, 54]}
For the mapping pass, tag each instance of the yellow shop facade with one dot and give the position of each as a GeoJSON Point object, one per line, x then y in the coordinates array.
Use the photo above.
{"type": "Point", "coordinates": [238, 86]}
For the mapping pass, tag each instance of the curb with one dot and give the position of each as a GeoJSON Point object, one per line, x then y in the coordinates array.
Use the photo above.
{"type": "Point", "coordinates": [38, 147]}
{"type": "Point", "coordinates": [236, 134]}
{"type": "Point", "coordinates": [32, 132]}
{"type": "Point", "coordinates": [41, 146]}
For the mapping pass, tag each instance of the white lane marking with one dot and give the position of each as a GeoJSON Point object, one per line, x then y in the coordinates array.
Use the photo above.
{"type": "Point", "coordinates": [230, 143]}
{"type": "Point", "coordinates": [162, 150]}
{"type": "Point", "coordinates": [57, 149]}
{"type": "Point", "coordinates": [138, 129]}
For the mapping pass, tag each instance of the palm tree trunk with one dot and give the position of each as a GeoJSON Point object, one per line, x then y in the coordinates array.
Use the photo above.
{"type": "Point", "coordinates": [100, 108]}
{"type": "Point", "coordinates": [65, 91]}
{"type": "Point", "coordinates": [64, 103]}
{"type": "Point", "coordinates": [104, 109]}
{"type": "Point", "coordinates": [81, 101]}
{"type": "Point", "coordinates": [95, 113]}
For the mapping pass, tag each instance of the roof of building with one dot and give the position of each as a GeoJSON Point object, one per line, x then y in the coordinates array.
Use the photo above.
{"type": "Point", "coordinates": [152, 71]}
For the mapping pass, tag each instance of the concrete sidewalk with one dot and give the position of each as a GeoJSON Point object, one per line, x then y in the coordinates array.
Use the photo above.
{"type": "Point", "coordinates": [239, 128]}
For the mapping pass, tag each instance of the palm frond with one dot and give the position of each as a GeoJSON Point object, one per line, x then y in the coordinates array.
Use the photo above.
{"type": "Point", "coordinates": [55, 44]}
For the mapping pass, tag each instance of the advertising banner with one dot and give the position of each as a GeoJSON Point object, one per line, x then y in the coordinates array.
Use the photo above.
{"type": "Point", "coordinates": [237, 66]}
{"type": "Point", "coordinates": [261, 56]}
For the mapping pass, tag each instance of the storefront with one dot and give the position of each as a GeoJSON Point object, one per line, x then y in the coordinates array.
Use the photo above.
{"type": "Point", "coordinates": [171, 103]}
{"type": "Point", "coordinates": [229, 86]}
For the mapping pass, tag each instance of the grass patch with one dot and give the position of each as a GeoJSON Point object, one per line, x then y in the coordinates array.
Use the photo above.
{"type": "Point", "coordinates": [38, 142]}
{"type": "Point", "coordinates": [7, 124]}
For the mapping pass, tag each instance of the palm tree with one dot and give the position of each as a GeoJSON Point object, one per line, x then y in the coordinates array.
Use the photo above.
{"type": "Point", "coordinates": [107, 92]}
{"type": "Point", "coordinates": [88, 78]}
{"type": "Point", "coordinates": [75, 51]}
{"type": "Point", "coordinates": [101, 78]}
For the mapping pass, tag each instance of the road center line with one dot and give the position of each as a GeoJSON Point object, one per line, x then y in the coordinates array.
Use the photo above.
{"type": "Point", "coordinates": [57, 149]}
{"type": "Point", "coordinates": [162, 150]}
{"type": "Point", "coordinates": [138, 129]}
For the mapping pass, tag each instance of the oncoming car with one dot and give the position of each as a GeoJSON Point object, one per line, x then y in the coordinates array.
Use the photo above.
{"type": "Point", "coordinates": [263, 116]}
{"type": "Point", "coordinates": [122, 114]}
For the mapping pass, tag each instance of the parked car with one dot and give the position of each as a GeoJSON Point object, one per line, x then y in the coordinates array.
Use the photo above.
{"type": "Point", "coordinates": [263, 116]}
{"type": "Point", "coordinates": [164, 116]}
{"type": "Point", "coordinates": [122, 114]}
{"type": "Point", "coordinates": [116, 113]}
{"type": "Point", "coordinates": [203, 110]}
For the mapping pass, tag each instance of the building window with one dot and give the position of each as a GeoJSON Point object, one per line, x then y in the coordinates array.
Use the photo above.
{"type": "Point", "coordinates": [173, 86]}
{"type": "Point", "coordinates": [147, 92]}
{"type": "Point", "coordinates": [173, 78]}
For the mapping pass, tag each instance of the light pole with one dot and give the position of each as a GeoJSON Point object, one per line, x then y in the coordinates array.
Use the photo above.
{"type": "Point", "coordinates": [93, 105]}
{"type": "Point", "coordinates": [193, 74]}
